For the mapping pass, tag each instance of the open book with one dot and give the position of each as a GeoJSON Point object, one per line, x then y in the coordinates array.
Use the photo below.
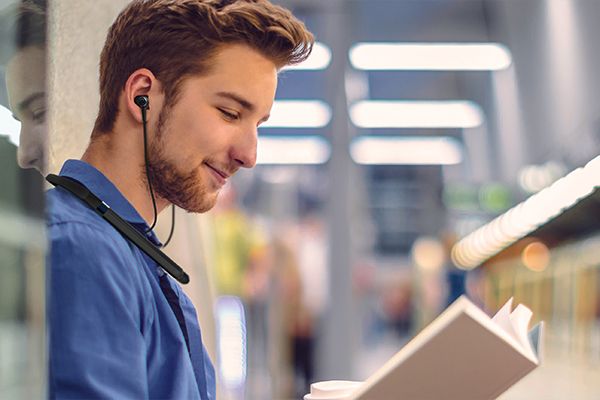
{"type": "Point", "coordinates": [463, 354]}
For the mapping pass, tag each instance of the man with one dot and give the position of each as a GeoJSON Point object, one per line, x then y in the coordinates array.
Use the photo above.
{"type": "Point", "coordinates": [119, 326]}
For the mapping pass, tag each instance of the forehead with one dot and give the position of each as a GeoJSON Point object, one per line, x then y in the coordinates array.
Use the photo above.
{"type": "Point", "coordinates": [244, 70]}
{"type": "Point", "coordinates": [26, 74]}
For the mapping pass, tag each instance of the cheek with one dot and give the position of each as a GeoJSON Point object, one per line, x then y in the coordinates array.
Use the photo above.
{"type": "Point", "coordinates": [205, 135]}
{"type": "Point", "coordinates": [39, 134]}
{"type": "Point", "coordinates": [190, 124]}
{"type": "Point", "coordinates": [26, 135]}
{"type": "Point", "coordinates": [32, 138]}
{"type": "Point", "coordinates": [200, 131]}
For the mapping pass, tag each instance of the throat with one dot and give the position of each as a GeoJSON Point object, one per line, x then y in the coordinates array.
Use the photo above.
{"type": "Point", "coordinates": [131, 185]}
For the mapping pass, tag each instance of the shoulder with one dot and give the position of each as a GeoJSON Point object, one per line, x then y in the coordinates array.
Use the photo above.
{"type": "Point", "coordinates": [85, 246]}
{"type": "Point", "coordinates": [75, 230]}
{"type": "Point", "coordinates": [64, 207]}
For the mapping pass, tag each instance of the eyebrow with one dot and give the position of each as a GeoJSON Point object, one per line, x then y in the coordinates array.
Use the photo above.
{"type": "Point", "coordinates": [241, 101]}
{"type": "Point", "coordinates": [25, 103]}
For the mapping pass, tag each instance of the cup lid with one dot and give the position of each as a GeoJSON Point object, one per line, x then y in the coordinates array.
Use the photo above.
{"type": "Point", "coordinates": [332, 390]}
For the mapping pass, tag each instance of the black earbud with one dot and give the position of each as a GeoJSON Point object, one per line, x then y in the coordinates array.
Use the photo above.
{"type": "Point", "coordinates": [142, 102]}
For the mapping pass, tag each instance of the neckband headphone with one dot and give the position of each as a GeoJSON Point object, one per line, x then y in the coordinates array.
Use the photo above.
{"type": "Point", "coordinates": [122, 226]}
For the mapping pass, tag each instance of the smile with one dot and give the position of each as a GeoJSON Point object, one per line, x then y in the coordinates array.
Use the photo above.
{"type": "Point", "coordinates": [220, 176]}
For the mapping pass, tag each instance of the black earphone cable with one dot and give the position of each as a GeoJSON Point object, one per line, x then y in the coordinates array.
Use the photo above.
{"type": "Point", "coordinates": [148, 169]}
{"type": "Point", "coordinates": [150, 183]}
{"type": "Point", "coordinates": [172, 225]}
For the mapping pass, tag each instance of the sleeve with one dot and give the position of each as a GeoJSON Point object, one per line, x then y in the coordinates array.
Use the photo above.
{"type": "Point", "coordinates": [97, 349]}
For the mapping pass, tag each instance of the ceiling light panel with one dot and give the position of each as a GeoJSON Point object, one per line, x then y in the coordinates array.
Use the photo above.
{"type": "Point", "coordinates": [293, 150]}
{"type": "Point", "coordinates": [430, 56]}
{"type": "Point", "coordinates": [416, 114]}
{"type": "Point", "coordinates": [370, 150]}
{"type": "Point", "coordinates": [299, 114]}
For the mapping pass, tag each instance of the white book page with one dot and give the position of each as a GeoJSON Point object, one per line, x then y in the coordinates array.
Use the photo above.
{"type": "Point", "coordinates": [516, 324]}
{"type": "Point", "coordinates": [502, 319]}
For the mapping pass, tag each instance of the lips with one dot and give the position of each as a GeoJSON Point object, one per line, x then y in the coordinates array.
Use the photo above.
{"type": "Point", "coordinates": [219, 175]}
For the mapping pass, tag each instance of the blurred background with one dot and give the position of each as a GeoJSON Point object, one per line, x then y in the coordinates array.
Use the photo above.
{"type": "Point", "coordinates": [427, 149]}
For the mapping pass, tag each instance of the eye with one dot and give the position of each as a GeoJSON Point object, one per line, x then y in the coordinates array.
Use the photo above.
{"type": "Point", "coordinates": [228, 115]}
{"type": "Point", "coordinates": [39, 116]}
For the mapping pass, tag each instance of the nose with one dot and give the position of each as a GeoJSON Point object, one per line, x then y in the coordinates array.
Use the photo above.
{"type": "Point", "coordinates": [29, 153]}
{"type": "Point", "coordinates": [244, 151]}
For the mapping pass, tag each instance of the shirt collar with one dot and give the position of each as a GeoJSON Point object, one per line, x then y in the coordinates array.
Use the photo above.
{"type": "Point", "coordinates": [103, 188]}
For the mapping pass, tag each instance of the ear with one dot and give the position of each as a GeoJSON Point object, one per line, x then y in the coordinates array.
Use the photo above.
{"type": "Point", "coordinates": [140, 82]}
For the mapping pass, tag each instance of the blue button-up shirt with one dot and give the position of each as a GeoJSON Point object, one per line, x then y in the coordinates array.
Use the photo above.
{"type": "Point", "coordinates": [113, 333]}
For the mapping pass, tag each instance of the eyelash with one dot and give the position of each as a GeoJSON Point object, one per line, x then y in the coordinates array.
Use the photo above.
{"type": "Point", "coordinates": [229, 115]}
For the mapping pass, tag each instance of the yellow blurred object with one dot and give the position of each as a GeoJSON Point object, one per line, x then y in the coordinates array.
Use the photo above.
{"type": "Point", "coordinates": [232, 251]}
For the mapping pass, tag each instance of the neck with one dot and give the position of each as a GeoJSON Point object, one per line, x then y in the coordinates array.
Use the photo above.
{"type": "Point", "coordinates": [111, 154]}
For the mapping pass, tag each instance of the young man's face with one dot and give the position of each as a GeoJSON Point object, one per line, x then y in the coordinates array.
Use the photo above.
{"type": "Point", "coordinates": [211, 131]}
{"type": "Point", "coordinates": [25, 80]}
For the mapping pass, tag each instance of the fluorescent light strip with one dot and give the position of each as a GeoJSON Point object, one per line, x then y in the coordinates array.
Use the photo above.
{"type": "Point", "coordinates": [9, 126]}
{"type": "Point", "coordinates": [416, 114]}
{"type": "Point", "coordinates": [299, 114]}
{"type": "Point", "coordinates": [319, 59]}
{"type": "Point", "coordinates": [406, 151]}
{"type": "Point", "coordinates": [527, 216]}
{"type": "Point", "coordinates": [293, 150]}
{"type": "Point", "coordinates": [430, 56]}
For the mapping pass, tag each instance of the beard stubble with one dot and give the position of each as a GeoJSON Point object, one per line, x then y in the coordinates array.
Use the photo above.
{"type": "Point", "coordinates": [187, 189]}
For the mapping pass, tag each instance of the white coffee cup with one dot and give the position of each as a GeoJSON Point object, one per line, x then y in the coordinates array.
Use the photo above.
{"type": "Point", "coordinates": [332, 390]}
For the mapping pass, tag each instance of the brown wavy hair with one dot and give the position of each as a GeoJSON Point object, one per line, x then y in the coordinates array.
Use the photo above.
{"type": "Point", "coordinates": [178, 38]}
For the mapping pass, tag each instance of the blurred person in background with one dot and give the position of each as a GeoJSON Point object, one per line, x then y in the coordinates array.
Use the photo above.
{"type": "Point", "coordinates": [294, 296]}
{"type": "Point", "coordinates": [396, 307]}
{"type": "Point", "coordinates": [286, 310]}
{"type": "Point", "coordinates": [313, 286]}
{"type": "Point", "coordinates": [256, 291]}
{"type": "Point", "coordinates": [119, 326]}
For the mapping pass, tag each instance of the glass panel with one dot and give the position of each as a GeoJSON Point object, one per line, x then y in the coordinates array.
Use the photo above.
{"type": "Point", "coordinates": [22, 234]}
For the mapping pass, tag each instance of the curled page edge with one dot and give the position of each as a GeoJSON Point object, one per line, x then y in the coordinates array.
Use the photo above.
{"type": "Point", "coordinates": [520, 318]}
{"type": "Point", "coordinates": [536, 339]}
{"type": "Point", "coordinates": [503, 320]}
{"type": "Point", "coordinates": [516, 323]}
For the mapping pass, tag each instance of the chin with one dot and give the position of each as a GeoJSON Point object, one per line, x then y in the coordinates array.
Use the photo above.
{"type": "Point", "coordinates": [201, 203]}
{"type": "Point", "coordinates": [212, 200]}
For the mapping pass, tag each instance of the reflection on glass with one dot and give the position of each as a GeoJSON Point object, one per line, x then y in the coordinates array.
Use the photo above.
{"type": "Point", "coordinates": [22, 241]}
